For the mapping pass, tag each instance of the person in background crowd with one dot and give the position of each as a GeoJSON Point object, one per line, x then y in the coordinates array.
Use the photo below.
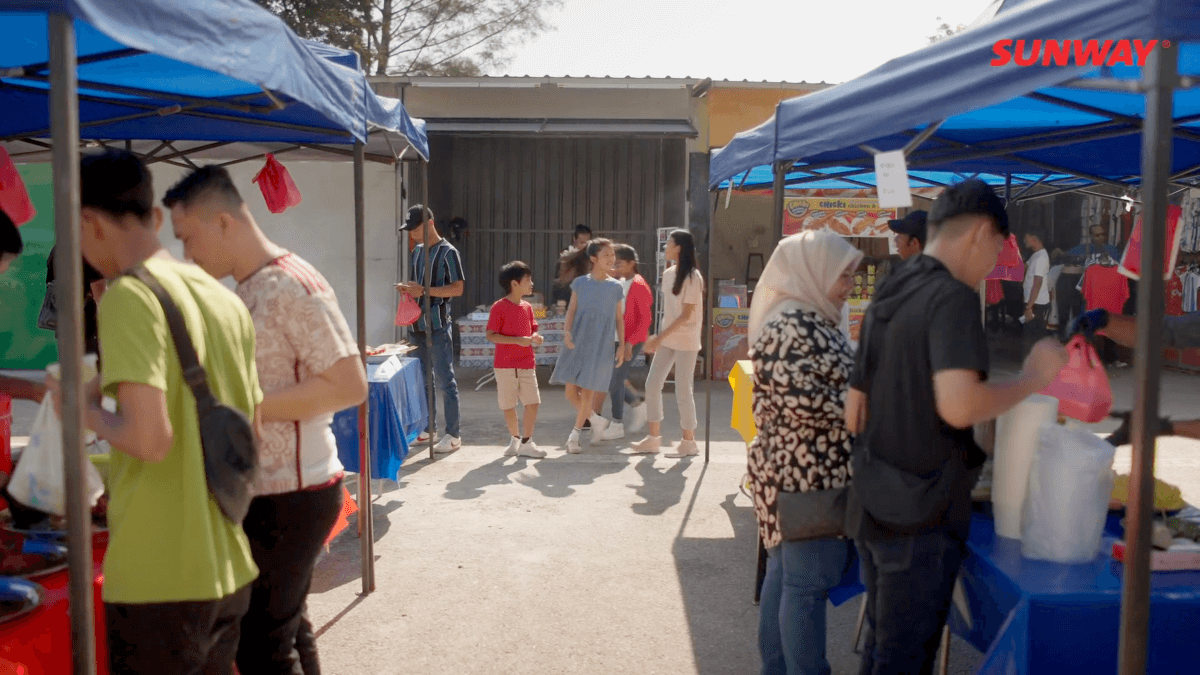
{"type": "Point", "coordinates": [11, 246]}
{"type": "Point", "coordinates": [638, 319]}
{"type": "Point", "coordinates": [572, 263]}
{"type": "Point", "coordinates": [93, 288]}
{"type": "Point", "coordinates": [594, 315]}
{"type": "Point", "coordinates": [919, 385]}
{"type": "Point", "coordinates": [514, 330]}
{"type": "Point", "coordinates": [177, 572]}
{"type": "Point", "coordinates": [579, 239]}
{"type": "Point", "coordinates": [910, 233]}
{"type": "Point", "coordinates": [676, 346]}
{"type": "Point", "coordinates": [309, 368]}
{"type": "Point", "coordinates": [802, 365]}
{"type": "Point", "coordinates": [1068, 299]}
{"type": "Point", "coordinates": [447, 283]}
{"type": "Point", "coordinates": [1037, 291]}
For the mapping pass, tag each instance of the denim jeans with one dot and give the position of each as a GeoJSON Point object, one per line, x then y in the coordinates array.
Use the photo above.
{"type": "Point", "coordinates": [618, 393]}
{"type": "Point", "coordinates": [910, 581]}
{"type": "Point", "coordinates": [791, 626]}
{"type": "Point", "coordinates": [443, 376]}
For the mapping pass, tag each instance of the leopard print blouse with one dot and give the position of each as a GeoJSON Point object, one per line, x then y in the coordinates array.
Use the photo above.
{"type": "Point", "coordinates": [802, 366]}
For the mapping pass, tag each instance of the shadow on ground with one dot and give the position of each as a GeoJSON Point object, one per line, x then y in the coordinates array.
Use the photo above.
{"type": "Point", "coordinates": [342, 564]}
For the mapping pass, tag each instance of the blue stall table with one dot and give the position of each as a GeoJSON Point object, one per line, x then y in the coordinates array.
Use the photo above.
{"type": "Point", "coordinates": [398, 414]}
{"type": "Point", "coordinates": [1032, 616]}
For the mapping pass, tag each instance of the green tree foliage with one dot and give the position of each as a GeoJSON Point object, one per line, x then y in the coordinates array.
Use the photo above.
{"type": "Point", "coordinates": [419, 37]}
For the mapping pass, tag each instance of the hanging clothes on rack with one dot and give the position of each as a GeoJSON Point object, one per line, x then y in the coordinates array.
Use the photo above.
{"type": "Point", "coordinates": [1105, 288]}
{"type": "Point", "coordinates": [1009, 266]}
{"type": "Point", "coordinates": [1174, 293]}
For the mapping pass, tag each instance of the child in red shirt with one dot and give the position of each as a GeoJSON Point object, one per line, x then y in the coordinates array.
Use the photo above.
{"type": "Point", "coordinates": [514, 330]}
{"type": "Point", "coordinates": [638, 318]}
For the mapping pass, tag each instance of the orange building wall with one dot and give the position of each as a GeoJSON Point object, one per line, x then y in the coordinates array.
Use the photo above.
{"type": "Point", "coordinates": [734, 109]}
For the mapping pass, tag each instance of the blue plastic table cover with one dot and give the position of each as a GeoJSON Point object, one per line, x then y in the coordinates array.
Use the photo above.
{"type": "Point", "coordinates": [398, 413]}
{"type": "Point", "coordinates": [1031, 616]}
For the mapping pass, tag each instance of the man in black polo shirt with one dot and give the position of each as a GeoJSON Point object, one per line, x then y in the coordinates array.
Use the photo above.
{"type": "Point", "coordinates": [918, 387]}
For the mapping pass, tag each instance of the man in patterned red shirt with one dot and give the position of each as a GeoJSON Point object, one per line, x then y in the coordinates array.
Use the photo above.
{"type": "Point", "coordinates": [309, 368]}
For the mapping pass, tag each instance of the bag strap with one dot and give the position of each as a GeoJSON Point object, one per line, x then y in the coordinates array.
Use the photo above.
{"type": "Point", "coordinates": [193, 373]}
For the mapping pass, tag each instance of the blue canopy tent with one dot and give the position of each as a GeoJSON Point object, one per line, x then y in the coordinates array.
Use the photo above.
{"type": "Point", "coordinates": [1108, 117]}
{"type": "Point", "coordinates": [847, 178]}
{"type": "Point", "coordinates": [144, 69]}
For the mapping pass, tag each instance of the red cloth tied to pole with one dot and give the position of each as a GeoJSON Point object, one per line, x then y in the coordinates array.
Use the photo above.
{"type": "Point", "coordinates": [278, 188]}
{"type": "Point", "coordinates": [349, 508]}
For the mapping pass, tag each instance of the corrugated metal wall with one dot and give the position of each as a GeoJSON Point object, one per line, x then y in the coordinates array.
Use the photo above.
{"type": "Point", "coordinates": [522, 198]}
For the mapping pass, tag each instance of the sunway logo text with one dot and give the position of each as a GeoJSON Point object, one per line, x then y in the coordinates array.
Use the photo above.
{"type": "Point", "coordinates": [1073, 52]}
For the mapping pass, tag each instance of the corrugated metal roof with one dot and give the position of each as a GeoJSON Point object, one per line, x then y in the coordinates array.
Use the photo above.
{"type": "Point", "coordinates": [579, 81]}
{"type": "Point", "coordinates": [572, 127]}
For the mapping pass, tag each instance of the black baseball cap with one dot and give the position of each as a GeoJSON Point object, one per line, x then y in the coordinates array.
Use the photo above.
{"type": "Point", "coordinates": [414, 218]}
{"type": "Point", "coordinates": [913, 225]}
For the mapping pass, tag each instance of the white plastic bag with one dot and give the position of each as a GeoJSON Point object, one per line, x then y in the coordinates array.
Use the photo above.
{"type": "Point", "coordinates": [39, 479]}
{"type": "Point", "coordinates": [1069, 485]}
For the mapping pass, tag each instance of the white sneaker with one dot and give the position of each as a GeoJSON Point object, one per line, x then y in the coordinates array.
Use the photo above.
{"type": "Point", "coordinates": [529, 449]}
{"type": "Point", "coordinates": [637, 417]}
{"type": "Point", "coordinates": [686, 448]}
{"type": "Point", "coordinates": [424, 437]}
{"type": "Point", "coordinates": [573, 445]}
{"type": "Point", "coordinates": [513, 445]}
{"type": "Point", "coordinates": [614, 432]}
{"type": "Point", "coordinates": [448, 444]}
{"type": "Point", "coordinates": [647, 446]}
{"type": "Point", "coordinates": [599, 426]}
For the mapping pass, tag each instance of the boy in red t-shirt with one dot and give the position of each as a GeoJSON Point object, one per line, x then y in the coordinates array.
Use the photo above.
{"type": "Point", "coordinates": [514, 330]}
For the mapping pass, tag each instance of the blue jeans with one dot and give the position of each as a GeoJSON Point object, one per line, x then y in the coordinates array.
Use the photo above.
{"type": "Point", "coordinates": [443, 376]}
{"type": "Point", "coordinates": [791, 626]}
{"type": "Point", "coordinates": [910, 581]}
{"type": "Point", "coordinates": [618, 393]}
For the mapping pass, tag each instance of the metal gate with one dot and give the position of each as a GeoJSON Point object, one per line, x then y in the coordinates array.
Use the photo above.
{"type": "Point", "coordinates": [522, 197]}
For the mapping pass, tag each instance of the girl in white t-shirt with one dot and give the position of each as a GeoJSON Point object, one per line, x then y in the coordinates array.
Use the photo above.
{"type": "Point", "coordinates": [676, 346]}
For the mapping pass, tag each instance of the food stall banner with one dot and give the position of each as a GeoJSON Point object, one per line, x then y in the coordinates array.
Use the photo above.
{"type": "Point", "coordinates": [849, 217]}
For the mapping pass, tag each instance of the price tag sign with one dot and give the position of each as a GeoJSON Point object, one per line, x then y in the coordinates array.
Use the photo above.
{"type": "Point", "coordinates": [891, 180]}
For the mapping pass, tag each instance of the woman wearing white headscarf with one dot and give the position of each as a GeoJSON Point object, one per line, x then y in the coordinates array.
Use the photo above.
{"type": "Point", "coordinates": [802, 365]}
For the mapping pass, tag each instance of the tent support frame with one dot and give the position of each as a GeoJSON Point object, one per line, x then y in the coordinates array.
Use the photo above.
{"type": "Point", "coordinates": [366, 522]}
{"type": "Point", "coordinates": [1160, 78]}
{"type": "Point", "coordinates": [68, 261]}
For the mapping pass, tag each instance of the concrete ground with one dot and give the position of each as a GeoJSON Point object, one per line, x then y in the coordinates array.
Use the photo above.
{"type": "Point", "coordinates": [593, 563]}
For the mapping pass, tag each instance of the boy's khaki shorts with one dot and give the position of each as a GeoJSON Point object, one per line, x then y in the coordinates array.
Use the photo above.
{"type": "Point", "coordinates": [515, 385]}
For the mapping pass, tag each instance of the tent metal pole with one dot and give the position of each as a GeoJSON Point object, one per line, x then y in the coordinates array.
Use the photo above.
{"type": "Point", "coordinates": [366, 522]}
{"type": "Point", "coordinates": [709, 361]}
{"type": "Point", "coordinates": [1160, 77]}
{"type": "Point", "coordinates": [64, 126]}
{"type": "Point", "coordinates": [777, 189]}
{"type": "Point", "coordinates": [427, 282]}
{"type": "Point", "coordinates": [1029, 187]}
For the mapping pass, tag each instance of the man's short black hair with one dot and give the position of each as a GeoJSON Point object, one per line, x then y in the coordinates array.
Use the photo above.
{"type": "Point", "coordinates": [969, 198]}
{"type": "Point", "coordinates": [10, 237]}
{"type": "Point", "coordinates": [625, 252]}
{"type": "Point", "coordinates": [206, 180]}
{"type": "Point", "coordinates": [582, 229]}
{"type": "Point", "coordinates": [513, 272]}
{"type": "Point", "coordinates": [1037, 232]}
{"type": "Point", "coordinates": [117, 183]}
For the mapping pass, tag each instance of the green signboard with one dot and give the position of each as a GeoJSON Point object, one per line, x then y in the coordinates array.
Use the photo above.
{"type": "Point", "coordinates": [24, 346]}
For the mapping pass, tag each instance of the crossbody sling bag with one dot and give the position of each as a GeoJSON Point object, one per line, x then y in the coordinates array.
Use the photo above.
{"type": "Point", "coordinates": [903, 502]}
{"type": "Point", "coordinates": [226, 435]}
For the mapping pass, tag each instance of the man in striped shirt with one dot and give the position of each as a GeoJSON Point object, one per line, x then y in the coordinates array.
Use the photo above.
{"type": "Point", "coordinates": [446, 283]}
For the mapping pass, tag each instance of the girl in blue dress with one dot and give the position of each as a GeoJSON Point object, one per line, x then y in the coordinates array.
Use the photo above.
{"type": "Point", "coordinates": [594, 339]}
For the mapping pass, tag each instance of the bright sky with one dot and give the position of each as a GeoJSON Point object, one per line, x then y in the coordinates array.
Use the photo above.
{"type": "Point", "coordinates": [792, 40]}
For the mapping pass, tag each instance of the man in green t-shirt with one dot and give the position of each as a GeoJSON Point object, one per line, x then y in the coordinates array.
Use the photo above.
{"type": "Point", "coordinates": [177, 573]}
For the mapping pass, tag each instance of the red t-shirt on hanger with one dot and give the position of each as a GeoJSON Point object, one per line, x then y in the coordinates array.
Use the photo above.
{"type": "Point", "coordinates": [1105, 288]}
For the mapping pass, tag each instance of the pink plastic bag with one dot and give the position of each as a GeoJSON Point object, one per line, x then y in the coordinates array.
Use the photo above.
{"type": "Point", "coordinates": [277, 186]}
{"type": "Point", "coordinates": [14, 198]}
{"type": "Point", "coordinates": [408, 311]}
{"type": "Point", "coordinates": [1082, 387]}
